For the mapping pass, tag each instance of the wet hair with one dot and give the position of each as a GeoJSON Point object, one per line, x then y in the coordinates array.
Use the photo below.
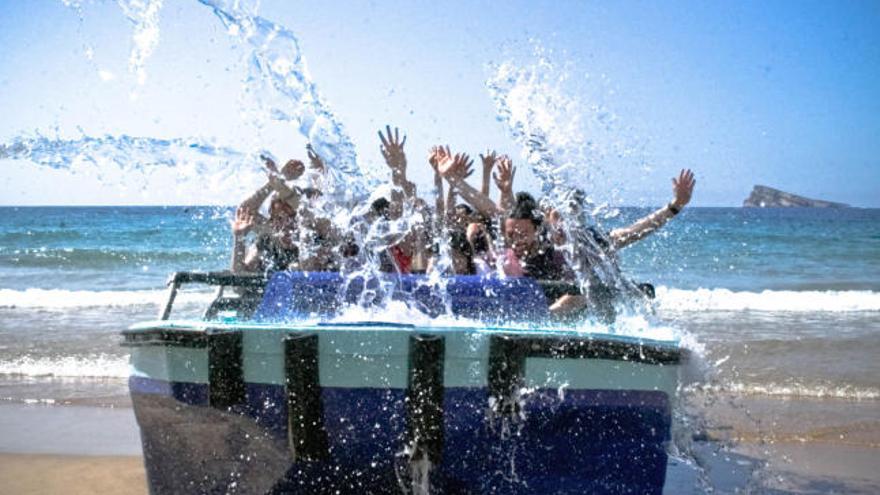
{"type": "Point", "coordinates": [380, 208]}
{"type": "Point", "coordinates": [526, 208]}
{"type": "Point", "coordinates": [312, 193]}
{"type": "Point", "coordinates": [489, 225]}
{"type": "Point", "coordinates": [480, 244]}
{"type": "Point", "coordinates": [464, 208]}
{"type": "Point", "coordinates": [458, 242]}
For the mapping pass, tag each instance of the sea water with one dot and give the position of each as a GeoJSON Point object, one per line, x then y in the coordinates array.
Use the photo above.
{"type": "Point", "coordinates": [786, 302]}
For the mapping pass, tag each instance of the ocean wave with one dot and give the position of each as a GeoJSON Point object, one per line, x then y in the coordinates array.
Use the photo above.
{"type": "Point", "coordinates": [66, 299]}
{"type": "Point", "coordinates": [667, 299]}
{"type": "Point", "coordinates": [769, 300]}
{"type": "Point", "coordinates": [102, 258]}
{"type": "Point", "coordinates": [97, 366]}
{"type": "Point", "coordinates": [793, 391]}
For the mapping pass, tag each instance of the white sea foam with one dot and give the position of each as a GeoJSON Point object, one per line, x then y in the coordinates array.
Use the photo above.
{"type": "Point", "coordinates": [67, 299]}
{"type": "Point", "coordinates": [667, 299]}
{"type": "Point", "coordinates": [803, 391]}
{"type": "Point", "coordinates": [96, 366]}
{"type": "Point", "coordinates": [768, 300]}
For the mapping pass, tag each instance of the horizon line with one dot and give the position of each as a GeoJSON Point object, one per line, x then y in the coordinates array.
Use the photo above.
{"type": "Point", "coordinates": [217, 205]}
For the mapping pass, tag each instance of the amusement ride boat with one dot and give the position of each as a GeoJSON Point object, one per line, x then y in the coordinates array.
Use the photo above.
{"type": "Point", "coordinates": [270, 392]}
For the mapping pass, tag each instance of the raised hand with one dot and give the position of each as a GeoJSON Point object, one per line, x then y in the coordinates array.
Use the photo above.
{"type": "Point", "coordinates": [439, 157]}
{"type": "Point", "coordinates": [244, 221]}
{"type": "Point", "coordinates": [455, 168]}
{"type": "Point", "coordinates": [315, 161]}
{"type": "Point", "coordinates": [269, 163]}
{"type": "Point", "coordinates": [488, 161]}
{"type": "Point", "coordinates": [683, 188]}
{"type": "Point", "coordinates": [505, 174]}
{"type": "Point", "coordinates": [435, 156]}
{"type": "Point", "coordinates": [463, 166]}
{"type": "Point", "coordinates": [392, 149]}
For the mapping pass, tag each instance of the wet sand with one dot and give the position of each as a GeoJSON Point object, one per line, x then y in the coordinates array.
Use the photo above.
{"type": "Point", "coordinates": [790, 445]}
{"type": "Point", "coordinates": [74, 449]}
{"type": "Point", "coordinates": [27, 474]}
{"type": "Point", "coordinates": [794, 469]}
{"type": "Point", "coordinates": [70, 449]}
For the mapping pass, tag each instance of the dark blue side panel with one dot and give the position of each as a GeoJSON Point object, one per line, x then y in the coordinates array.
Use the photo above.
{"type": "Point", "coordinates": [193, 394]}
{"type": "Point", "coordinates": [295, 295]}
{"type": "Point", "coordinates": [595, 441]}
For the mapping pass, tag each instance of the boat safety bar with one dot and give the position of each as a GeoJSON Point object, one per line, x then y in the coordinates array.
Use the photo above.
{"type": "Point", "coordinates": [306, 436]}
{"type": "Point", "coordinates": [223, 279]}
{"type": "Point", "coordinates": [226, 387]}
{"type": "Point", "coordinates": [424, 397]}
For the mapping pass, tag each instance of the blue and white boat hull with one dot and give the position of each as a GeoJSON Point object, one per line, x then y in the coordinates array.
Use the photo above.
{"type": "Point", "coordinates": [384, 408]}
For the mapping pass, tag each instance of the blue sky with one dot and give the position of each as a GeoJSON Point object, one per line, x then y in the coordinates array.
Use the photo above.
{"type": "Point", "coordinates": [777, 93]}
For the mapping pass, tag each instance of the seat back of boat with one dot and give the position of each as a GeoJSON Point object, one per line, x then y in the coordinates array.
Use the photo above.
{"type": "Point", "coordinates": [297, 295]}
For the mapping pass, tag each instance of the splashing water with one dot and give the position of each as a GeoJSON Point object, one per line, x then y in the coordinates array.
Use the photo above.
{"type": "Point", "coordinates": [566, 142]}
{"type": "Point", "coordinates": [569, 141]}
{"type": "Point", "coordinates": [197, 164]}
{"type": "Point", "coordinates": [568, 135]}
{"type": "Point", "coordinates": [280, 83]}
{"type": "Point", "coordinates": [129, 152]}
{"type": "Point", "coordinates": [144, 14]}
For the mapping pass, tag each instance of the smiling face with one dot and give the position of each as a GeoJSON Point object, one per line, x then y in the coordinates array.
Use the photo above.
{"type": "Point", "coordinates": [521, 235]}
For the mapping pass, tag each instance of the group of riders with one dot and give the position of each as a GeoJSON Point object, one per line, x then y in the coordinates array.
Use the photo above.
{"type": "Point", "coordinates": [515, 236]}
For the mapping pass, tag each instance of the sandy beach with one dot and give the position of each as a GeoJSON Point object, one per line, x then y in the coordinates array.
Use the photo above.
{"type": "Point", "coordinates": [41, 454]}
{"type": "Point", "coordinates": [795, 469]}
{"type": "Point", "coordinates": [26, 474]}
{"type": "Point", "coordinates": [71, 449]}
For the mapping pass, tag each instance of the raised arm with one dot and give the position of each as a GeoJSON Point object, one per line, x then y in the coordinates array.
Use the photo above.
{"type": "Point", "coordinates": [291, 196]}
{"type": "Point", "coordinates": [488, 163]}
{"type": "Point", "coordinates": [453, 169]}
{"type": "Point", "coordinates": [316, 164]}
{"type": "Point", "coordinates": [255, 200]}
{"type": "Point", "coordinates": [682, 189]}
{"type": "Point", "coordinates": [439, 207]}
{"type": "Point", "coordinates": [461, 174]}
{"type": "Point", "coordinates": [449, 217]}
{"type": "Point", "coordinates": [504, 180]}
{"type": "Point", "coordinates": [244, 222]}
{"type": "Point", "coordinates": [392, 151]}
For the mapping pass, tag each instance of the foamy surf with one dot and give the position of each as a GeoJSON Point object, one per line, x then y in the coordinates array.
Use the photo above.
{"type": "Point", "coordinates": [95, 366]}
{"type": "Point", "coordinates": [670, 299]}
{"type": "Point", "coordinates": [792, 391]}
{"type": "Point", "coordinates": [58, 299]}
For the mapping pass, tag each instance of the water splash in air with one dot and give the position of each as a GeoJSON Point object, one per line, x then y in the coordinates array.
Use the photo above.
{"type": "Point", "coordinates": [144, 14]}
{"type": "Point", "coordinates": [283, 89]}
{"type": "Point", "coordinates": [566, 140]}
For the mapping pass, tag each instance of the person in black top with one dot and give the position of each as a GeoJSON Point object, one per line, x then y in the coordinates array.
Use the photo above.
{"type": "Point", "coordinates": [274, 249]}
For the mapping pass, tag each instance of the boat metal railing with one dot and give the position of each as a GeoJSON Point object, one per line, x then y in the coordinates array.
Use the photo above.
{"type": "Point", "coordinates": [256, 282]}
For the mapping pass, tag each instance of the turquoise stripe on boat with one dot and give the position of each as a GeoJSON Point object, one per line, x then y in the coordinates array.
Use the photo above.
{"type": "Point", "coordinates": [370, 357]}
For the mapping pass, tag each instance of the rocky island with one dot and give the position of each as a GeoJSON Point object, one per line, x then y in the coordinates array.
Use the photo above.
{"type": "Point", "coordinates": [767, 197]}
